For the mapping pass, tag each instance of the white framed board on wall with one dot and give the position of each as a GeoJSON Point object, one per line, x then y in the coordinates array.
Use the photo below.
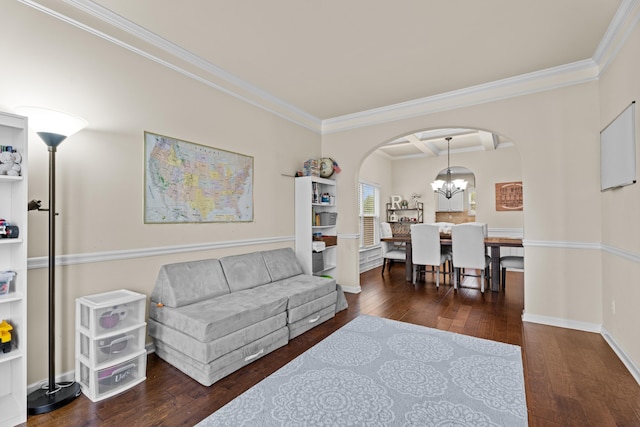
{"type": "Point", "coordinates": [618, 151]}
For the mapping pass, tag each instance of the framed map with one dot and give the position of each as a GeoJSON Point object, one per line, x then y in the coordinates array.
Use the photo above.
{"type": "Point", "coordinates": [187, 182]}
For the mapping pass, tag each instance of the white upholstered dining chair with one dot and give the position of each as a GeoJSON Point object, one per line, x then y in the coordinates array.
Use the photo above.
{"type": "Point", "coordinates": [390, 251]}
{"type": "Point", "coordinates": [468, 251]}
{"type": "Point", "coordinates": [509, 262]}
{"type": "Point", "coordinates": [426, 249]}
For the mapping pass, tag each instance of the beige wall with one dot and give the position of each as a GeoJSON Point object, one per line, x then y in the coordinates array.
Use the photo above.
{"type": "Point", "coordinates": [100, 170]}
{"type": "Point", "coordinates": [489, 167]}
{"type": "Point", "coordinates": [619, 85]}
{"type": "Point", "coordinates": [556, 135]}
{"type": "Point", "coordinates": [100, 177]}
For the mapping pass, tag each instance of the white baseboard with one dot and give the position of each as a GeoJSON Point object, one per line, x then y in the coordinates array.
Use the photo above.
{"type": "Point", "coordinates": [588, 327]}
{"type": "Point", "coordinates": [352, 289]}
{"type": "Point", "coordinates": [71, 375]}
{"type": "Point", "coordinates": [626, 360]}
{"type": "Point", "coordinates": [562, 323]}
{"type": "Point", "coordinates": [150, 347]}
{"type": "Point", "coordinates": [67, 376]}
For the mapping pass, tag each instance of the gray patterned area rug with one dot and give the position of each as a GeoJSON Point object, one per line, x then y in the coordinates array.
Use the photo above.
{"type": "Point", "coordinates": [381, 372]}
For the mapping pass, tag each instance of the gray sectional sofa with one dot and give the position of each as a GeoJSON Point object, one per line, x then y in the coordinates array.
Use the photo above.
{"type": "Point", "coordinates": [209, 318]}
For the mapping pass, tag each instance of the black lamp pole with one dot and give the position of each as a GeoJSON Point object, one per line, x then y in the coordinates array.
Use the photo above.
{"type": "Point", "coordinates": [55, 395]}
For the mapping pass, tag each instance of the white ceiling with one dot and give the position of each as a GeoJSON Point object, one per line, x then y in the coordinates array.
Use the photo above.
{"type": "Point", "coordinates": [335, 57]}
{"type": "Point", "coordinates": [325, 60]}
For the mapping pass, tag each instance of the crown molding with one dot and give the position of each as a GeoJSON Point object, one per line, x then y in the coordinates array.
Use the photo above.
{"type": "Point", "coordinates": [525, 84]}
{"type": "Point", "coordinates": [623, 22]}
{"type": "Point", "coordinates": [218, 78]}
{"type": "Point", "coordinates": [625, 19]}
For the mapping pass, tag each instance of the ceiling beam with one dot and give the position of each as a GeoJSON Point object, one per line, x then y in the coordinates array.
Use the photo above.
{"type": "Point", "coordinates": [420, 145]}
{"type": "Point", "coordinates": [489, 140]}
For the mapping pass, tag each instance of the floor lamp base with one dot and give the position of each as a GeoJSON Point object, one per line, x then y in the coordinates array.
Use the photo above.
{"type": "Point", "coordinates": [41, 402]}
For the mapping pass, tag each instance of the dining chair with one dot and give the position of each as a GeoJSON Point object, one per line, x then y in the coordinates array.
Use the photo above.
{"type": "Point", "coordinates": [445, 229]}
{"type": "Point", "coordinates": [390, 252]}
{"type": "Point", "coordinates": [508, 262]}
{"type": "Point", "coordinates": [426, 249]}
{"type": "Point", "coordinates": [468, 251]}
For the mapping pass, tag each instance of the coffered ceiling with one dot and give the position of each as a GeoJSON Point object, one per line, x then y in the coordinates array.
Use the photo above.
{"type": "Point", "coordinates": [433, 143]}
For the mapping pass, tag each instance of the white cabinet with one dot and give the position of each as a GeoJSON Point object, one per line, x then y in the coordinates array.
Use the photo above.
{"type": "Point", "coordinates": [454, 204]}
{"type": "Point", "coordinates": [13, 257]}
{"type": "Point", "coordinates": [315, 218]}
{"type": "Point", "coordinates": [110, 337]}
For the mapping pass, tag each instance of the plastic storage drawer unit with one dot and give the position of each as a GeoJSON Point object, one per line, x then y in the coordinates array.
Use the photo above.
{"type": "Point", "coordinates": [109, 380]}
{"type": "Point", "coordinates": [110, 339]}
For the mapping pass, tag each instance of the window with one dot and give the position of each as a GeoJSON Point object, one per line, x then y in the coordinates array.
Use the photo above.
{"type": "Point", "coordinates": [368, 204]}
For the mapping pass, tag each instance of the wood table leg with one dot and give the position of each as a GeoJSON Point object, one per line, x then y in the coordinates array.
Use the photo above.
{"type": "Point", "coordinates": [495, 268]}
{"type": "Point", "coordinates": [409, 263]}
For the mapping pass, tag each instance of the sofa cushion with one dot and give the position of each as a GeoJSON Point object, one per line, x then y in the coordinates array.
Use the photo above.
{"type": "Point", "coordinates": [208, 373]}
{"type": "Point", "coordinates": [304, 310]}
{"type": "Point", "coordinates": [245, 271]}
{"type": "Point", "coordinates": [189, 282]}
{"type": "Point", "coordinates": [281, 263]}
{"type": "Point", "coordinates": [212, 350]}
{"type": "Point", "coordinates": [214, 318]}
{"type": "Point", "coordinates": [300, 289]}
{"type": "Point", "coordinates": [306, 323]}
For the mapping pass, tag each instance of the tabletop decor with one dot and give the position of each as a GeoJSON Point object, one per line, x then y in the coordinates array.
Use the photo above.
{"type": "Point", "coordinates": [187, 182]}
{"type": "Point", "coordinates": [414, 199]}
{"type": "Point", "coordinates": [376, 371]}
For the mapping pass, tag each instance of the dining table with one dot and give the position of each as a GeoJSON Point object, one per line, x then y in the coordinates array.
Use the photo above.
{"type": "Point", "coordinates": [493, 243]}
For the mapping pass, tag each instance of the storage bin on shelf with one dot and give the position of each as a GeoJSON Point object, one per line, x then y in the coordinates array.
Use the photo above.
{"type": "Point", "coordinates": [109, 312]}
{"type": "Point", "coordinates": [5, 281]}
{"type": "Point", "coordinates": [329, 240]}
{"type": "Point", "coordinates": [318, 261]}
{"type": "Point", "coordinates": [110, 379]}
{"type": "Point", "coordinates": [328, 218]}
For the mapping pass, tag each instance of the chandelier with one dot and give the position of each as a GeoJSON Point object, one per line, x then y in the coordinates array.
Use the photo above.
{"type": "Point", "coordinates": [449, 187]}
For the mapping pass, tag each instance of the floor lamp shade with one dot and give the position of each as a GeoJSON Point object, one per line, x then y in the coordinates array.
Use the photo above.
{"type": "Point", "coordinates": [53, 127]}
{"type": "Point", "coordinates": [51, 122]}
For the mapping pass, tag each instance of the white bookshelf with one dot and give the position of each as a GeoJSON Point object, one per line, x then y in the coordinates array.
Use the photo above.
{"type": "Point", "coordinates": [305, 226]}
{"type": "Point", "coordinates": [13, 257]}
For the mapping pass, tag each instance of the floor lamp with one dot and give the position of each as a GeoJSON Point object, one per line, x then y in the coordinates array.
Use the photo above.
{"type": "Point", "coordinates": [53, 127]}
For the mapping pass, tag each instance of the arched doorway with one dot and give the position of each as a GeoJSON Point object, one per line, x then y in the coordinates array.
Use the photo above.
{"type": "Point", "coordinates": [407, 165]}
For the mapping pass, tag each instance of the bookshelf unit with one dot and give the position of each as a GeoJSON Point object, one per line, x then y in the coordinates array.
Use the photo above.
{"type": "Point", "coordinates": [13, 257]}
{"type": "Point", "coordinates": [411, 215]}
{"type": "Point", "coordinates": [315, 215]}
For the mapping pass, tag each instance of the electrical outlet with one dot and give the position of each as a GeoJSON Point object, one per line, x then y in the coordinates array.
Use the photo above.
{"type": "Point", "coordinates": [613, 306]}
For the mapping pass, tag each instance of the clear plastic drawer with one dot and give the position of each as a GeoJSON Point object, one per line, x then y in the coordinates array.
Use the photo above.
{"type": "Point", "coordinates": [109, 312]}
{"type": "Point", "coordinates": [106, 348]}
{"type": "Point", "coordinates": [107, 381]}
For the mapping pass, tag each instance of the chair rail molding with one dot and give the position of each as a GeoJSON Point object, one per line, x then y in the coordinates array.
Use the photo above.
{"type": "Point", "coordinates": [72, 259]}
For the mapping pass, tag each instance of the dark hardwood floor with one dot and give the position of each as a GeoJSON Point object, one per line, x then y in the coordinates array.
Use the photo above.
{"type": "Point", "coordinates": [572, 378]}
